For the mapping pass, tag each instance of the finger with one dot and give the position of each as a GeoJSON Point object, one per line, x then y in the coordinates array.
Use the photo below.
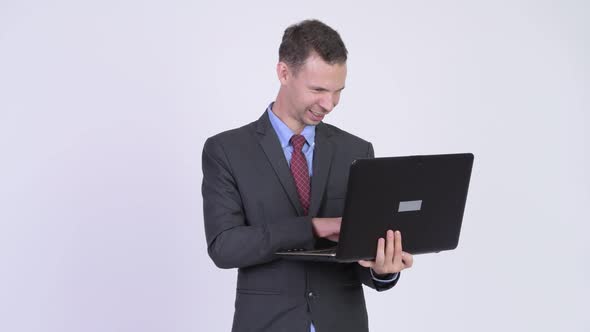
{"type": "Point", "coordinates": [364, 263]}
{"type": "Point", "coordinates": [408, 259]}
{"type": "Point", "coordinates": [380, 256]}
{"type": "Point", "coordinates": [336, 225]}
{"type": "Point", "coordinates": [389, 247]}
{"type": "Point", "coordinates": [334, 237]}
{"type": "Point", "coordinates": [397, 258]}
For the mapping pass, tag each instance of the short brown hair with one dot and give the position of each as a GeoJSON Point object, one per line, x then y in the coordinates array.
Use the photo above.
{"type": "Point", "coordinates": [300, 39]}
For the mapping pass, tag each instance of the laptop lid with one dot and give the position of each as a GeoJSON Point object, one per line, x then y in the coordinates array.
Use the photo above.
{"type": "Point", "coordinates": [421, 196]}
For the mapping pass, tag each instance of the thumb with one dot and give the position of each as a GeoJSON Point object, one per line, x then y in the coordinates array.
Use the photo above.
{"type": "Point", "coordinates": [364, 263]}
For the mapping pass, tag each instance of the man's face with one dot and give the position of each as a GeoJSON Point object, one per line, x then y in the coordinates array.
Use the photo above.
{"type": "Point", "coordinates": [313, 91]}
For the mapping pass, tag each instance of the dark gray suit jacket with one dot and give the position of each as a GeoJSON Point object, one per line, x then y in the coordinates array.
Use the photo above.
{"type": "Point", "coordinates": [251, 210]}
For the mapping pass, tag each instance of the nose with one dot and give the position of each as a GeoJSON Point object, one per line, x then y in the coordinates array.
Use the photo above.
{"type": "Point", "coordinates": [328, 102]}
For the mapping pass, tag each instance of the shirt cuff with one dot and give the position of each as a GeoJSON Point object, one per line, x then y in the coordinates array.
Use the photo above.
{"type": "Point", "coordinates": [390, 277]}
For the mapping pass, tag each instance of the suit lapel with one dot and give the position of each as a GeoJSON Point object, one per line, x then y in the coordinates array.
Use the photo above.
{"type": "Point", "coordinates": [272, 148]}
{"type": "Point", "coordinates": [322, 159]}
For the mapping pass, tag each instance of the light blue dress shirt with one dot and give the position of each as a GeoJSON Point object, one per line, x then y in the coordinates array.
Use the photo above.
{"type": "Point", "coordinates": [285, 133]}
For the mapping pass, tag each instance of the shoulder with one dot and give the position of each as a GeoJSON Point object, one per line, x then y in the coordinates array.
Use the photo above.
{"type": "Point", "coordinates": [341, 136]}
{"type": "Point", "coordinates": [232, 137]}
{"type": "Point", "coordinates": [347, 144]}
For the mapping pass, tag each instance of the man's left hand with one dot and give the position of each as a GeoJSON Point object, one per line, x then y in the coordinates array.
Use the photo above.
{"type": "Point", "coordinates": [390, 258]}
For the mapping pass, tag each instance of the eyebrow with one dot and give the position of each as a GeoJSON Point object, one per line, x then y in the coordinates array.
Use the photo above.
{"type": "Point", "coordinates": [324, 89]}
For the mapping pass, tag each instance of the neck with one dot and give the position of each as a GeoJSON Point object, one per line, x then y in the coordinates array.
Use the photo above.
{"type": "Point", "coordinates": [281, 110]}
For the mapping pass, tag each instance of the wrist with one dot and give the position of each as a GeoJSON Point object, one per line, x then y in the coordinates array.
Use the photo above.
{"type": "Point", "coordinates": [387, 277]}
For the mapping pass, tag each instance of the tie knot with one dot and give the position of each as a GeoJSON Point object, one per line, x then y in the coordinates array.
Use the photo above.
{"type": "Point", "coordinates": [297, 141]}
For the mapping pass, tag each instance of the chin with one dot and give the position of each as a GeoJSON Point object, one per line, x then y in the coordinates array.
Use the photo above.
{"type": "Point", "coordinates": [312, 123]}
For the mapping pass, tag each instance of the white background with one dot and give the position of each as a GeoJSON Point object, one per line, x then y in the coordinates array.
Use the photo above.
{"type": "Point", "coordinates": [105, 106]}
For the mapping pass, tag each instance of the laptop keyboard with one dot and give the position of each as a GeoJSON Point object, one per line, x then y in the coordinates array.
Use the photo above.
{"type": "Point", "coordinates": [316, 252]}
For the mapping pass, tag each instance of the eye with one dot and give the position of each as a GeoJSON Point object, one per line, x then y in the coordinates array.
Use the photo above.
{"type": "Point", "coordinates": [318, 89]}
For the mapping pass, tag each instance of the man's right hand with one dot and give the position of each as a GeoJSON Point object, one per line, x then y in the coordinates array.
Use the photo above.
{"type": "Point", "coordinates": [328, 228]}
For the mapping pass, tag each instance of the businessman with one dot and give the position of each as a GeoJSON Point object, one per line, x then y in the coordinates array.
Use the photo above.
{"type": "Point", "coordinates": [279, 183]}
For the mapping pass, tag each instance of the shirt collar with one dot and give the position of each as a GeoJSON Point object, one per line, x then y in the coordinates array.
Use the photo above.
{"type": "Point", "coordinates": [285, 133]}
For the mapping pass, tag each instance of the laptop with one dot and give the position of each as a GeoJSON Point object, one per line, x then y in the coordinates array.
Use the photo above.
{"type": "Point", "coordinates": [421, 196]}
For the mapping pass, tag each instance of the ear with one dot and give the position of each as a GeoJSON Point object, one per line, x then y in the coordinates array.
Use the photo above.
{"type": "Point", "coordinates": [283, 72]}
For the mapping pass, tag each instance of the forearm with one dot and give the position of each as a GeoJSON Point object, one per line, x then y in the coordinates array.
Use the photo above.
{"type": "Point", "coordinates": [244, 246]}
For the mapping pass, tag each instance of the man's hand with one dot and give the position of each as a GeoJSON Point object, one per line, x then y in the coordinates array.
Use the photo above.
{"type": "Point", "coordinates": [390, 258]}
{"type": "Point", "coordinates": [328, 228]}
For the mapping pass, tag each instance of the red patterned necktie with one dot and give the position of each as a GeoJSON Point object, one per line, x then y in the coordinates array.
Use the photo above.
{"type": "Point", "coordinates": [300, 171]}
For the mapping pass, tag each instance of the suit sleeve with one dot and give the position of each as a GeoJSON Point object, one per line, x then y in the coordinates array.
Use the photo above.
{"type": "Point", "coordinates": [364, 273]}
{"type": "Point", "coordinates": [232, 242]}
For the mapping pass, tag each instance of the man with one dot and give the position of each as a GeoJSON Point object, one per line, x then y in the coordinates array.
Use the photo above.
{"type": "Point", "coordinates": [279, 183]}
